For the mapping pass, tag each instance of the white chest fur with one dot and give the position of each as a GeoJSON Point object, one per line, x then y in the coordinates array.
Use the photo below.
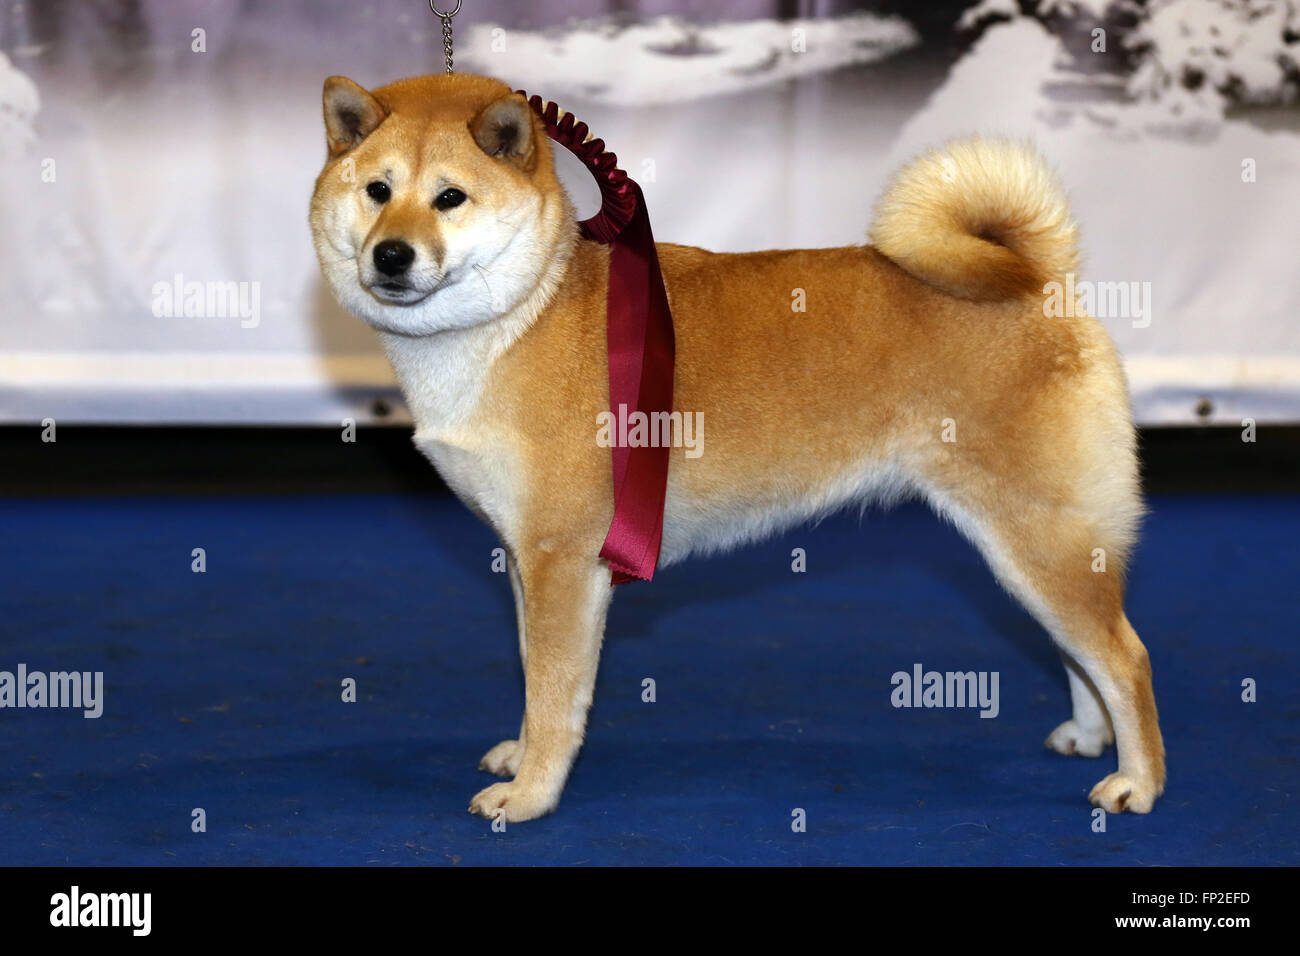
{"type": "Point", "coordinates": [444, 377]}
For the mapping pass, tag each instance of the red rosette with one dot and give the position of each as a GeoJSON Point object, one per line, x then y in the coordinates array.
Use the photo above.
{"type": "Point", "coordinates": [618, 193]}
{"type": "Point", "coordinates": [640, 342]}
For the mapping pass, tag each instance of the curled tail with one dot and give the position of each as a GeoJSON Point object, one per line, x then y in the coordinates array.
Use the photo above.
{"type": "Point", "coordinates": [979, 219]}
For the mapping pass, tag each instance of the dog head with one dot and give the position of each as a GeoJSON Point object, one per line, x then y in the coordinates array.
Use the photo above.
{"type": "Point", "coordinates": [438, 207]}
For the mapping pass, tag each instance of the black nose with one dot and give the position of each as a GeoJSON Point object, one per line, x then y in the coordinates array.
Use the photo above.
{"type": "Point", "coordinates": [393, 257]}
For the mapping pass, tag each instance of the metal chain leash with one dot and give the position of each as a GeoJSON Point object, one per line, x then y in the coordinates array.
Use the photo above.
{"type": "Point", "coordinates": [446, 27]}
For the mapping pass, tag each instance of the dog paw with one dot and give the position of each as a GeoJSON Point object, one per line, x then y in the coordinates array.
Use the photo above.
{"type": "Point", "coordinates": [1118, 792]}
{"type": "Point", "coordinates": [503, 759]}
{"type": "Point", "coordinates": [516, 801]}
{"type": "Point", "coordinates": [1072, 740]}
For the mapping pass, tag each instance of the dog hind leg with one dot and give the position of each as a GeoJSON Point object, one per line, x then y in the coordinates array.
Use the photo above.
{"type": "Point", "coordinates": [1042, 551]}
{"type": "Point", "coordinates": [1088, 733]}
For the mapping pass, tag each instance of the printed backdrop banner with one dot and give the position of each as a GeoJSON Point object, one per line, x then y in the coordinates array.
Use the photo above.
{"type": "Point", "coordinates": [151, 148]}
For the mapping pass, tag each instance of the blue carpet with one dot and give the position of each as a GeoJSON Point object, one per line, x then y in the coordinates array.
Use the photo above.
{"type": "Point", "coordinates": [222, 691]}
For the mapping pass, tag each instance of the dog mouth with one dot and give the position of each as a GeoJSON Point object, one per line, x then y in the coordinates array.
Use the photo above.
{"type": "Point", "coordinates": [397, 292]}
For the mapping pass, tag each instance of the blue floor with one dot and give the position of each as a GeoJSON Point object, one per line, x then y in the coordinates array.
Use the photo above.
{"type": "Point", "coordinates": [223, 692]}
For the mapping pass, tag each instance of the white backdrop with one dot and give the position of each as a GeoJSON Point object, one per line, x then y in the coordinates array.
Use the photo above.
{"type": "Point", "coordinates": [130, 159]}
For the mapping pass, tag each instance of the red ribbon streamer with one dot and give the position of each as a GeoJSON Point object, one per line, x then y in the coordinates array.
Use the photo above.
{"type": "Point", "coordinates": [639, 332]}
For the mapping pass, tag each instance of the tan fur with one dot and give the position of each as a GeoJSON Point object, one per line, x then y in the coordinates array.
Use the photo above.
{"type": "Point", "coordinates": [804, 411]}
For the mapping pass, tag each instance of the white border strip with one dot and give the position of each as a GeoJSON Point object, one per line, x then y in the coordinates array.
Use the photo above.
{"type": "Point", "coordinates": [226, 387]}
{"type": "Point", "coordinates": [214, 370]}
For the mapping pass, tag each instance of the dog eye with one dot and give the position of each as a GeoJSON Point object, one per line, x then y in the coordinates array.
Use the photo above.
{"type": "Point", "coordinates": [449, 199]}
{"type": "Point", "coordinates": [379, 192]}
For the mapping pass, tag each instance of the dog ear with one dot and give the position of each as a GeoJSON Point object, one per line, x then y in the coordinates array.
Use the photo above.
{"type": "Point", "coordinates": [351, 114]}
{"type": "Point", "coordinates": [504, 129]}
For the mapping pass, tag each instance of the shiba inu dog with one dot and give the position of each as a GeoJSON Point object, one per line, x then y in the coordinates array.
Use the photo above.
{"type": "Point", "coordinates": [923, 364]}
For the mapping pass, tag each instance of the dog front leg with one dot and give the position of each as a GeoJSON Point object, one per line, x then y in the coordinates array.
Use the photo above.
{"type": "Point", "coordinates": [564, 601]}
{"type": "Point", "coordinates": [503, 759]}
